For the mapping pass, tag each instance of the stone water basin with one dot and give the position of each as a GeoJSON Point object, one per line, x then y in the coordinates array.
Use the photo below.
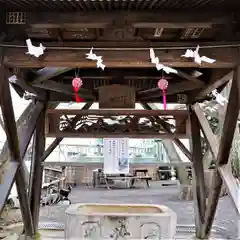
{"type": "Point", "coordinates": [120, 221]}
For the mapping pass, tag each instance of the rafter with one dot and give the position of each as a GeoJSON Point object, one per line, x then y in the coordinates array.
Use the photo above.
{"type": "Point", "coordinates": [135, 19]}
{"type": "Point", "coordinates": [189, 77]}
{"type": "Point", "coordinates": [48, 73]}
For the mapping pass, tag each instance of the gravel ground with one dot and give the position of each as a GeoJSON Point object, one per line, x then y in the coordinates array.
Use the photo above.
{"type": "Point", "coordinates": [226, 216]}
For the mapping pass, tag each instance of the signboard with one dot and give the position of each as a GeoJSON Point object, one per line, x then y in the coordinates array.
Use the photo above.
{"type": "Point", "coordinates": [116, 159]}
{"type": "Point", "coordinates": [116, 96]}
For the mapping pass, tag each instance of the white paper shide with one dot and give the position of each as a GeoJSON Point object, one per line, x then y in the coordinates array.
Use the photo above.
{"type": "Point", "coordinates": [33, 50]}
{"type": "Point", "coordinates": [93, 56]}
{"type": "Point", "coordinates": [116, 159]}
{"type": "Point", "coordinates": [219, 98]}
{"type": "Point", "coordinates": [159, 66]}
{"type": "Point", "coordinates": [196, 57]}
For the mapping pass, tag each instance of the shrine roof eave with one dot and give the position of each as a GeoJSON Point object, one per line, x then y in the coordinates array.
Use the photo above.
{"type": "Point", "coordinates": [89, 5]}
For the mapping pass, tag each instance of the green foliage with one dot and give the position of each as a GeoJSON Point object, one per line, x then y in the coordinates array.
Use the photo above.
{"type": "Point", "coordinates": [38, 236]}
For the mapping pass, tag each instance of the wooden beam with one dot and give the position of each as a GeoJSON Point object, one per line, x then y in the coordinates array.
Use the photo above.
{"type": "Point", "coordinates": [231, 184]}
{"type": "Point", "coordinates": [224, 150]}
{"type": "Point", "coordinates": [210, 87]}
{"type": "Point", "coordinates": [22, 83]}
{"type": "Point", "coordinates": [64, 88]}
{"type": "Point", "coordinates": [37, 170]}
{"type": "Point", "coordinates": [189, 77]}
{"type": "Point", "coordinates": [48, 73]}
{"type": "Point", "coordinates": [175, 98]}
{"type": "Point", "coordinates": [117, 57]}
{"type": "Point", "coordinates": [58, 140]}
{"type": "Point", "coordinates": [30, 125]}
{"type": "Point", "coordinates": [7, 175]}
{"type": "Point", "coordinates": [126, 73]}
{"type": "Point", "coordinates": [51, 148]}
{"type": "Point", "coordinates": [172, 89]}
{"type": "Point", "coordinates": [211, 138]}
{"type": "Point", "coordinates": [19, 90]}
{"type": "Point", "coordinates": [116, 135]}
{"type": "Point", "coordinates": [133, 45]}
{"type": "Point", "coordinates": [168, 130]}
{"type": "Point", "coordinates": [135, 19]}
{"type": "Point", "coordinates": [27, 123]}
{"type": "Point", "coordinates": [199, 182]}
{"type": "Point", "coordinates": [13, 144]}
{"type": "Point", "coordinates": [118, 112]}
{"type": "Point", "coordinates": [21, 127]}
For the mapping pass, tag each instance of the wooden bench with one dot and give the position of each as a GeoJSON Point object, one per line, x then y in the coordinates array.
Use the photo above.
{"type": "Point", "coordinates": [107, 179]}
{"type": "Point", "coordinates": [145, 177]}
{"type": "Point", "coordinates": [130, 179]}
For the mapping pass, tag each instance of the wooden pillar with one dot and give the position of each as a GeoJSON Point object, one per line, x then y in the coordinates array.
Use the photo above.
{"type": "Point", "coordinates": [13, 144]}
{"type": "Point", "coordinates": [37, 169]}
{"type": "Point", "coordinates": [224, 150]}
{"type": "Point", "coordinates": [199, 190]}
{"type": "Point", "coordinates": [25, 128]}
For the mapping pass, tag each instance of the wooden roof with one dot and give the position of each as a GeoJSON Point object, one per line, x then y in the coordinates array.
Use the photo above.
{"type": "Point", "coordinates": [98, 5]}
{"type": "Point", "coordinates": [123, 38]}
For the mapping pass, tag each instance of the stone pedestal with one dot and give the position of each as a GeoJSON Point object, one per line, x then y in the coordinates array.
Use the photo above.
{"type": "Point", "coordinates": [118, 222]}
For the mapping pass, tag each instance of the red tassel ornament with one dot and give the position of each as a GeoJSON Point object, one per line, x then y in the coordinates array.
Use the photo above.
{"type": "Point", "coordinates": [77, 84]}
{"type": "Point", "coordinates": [163, 85]}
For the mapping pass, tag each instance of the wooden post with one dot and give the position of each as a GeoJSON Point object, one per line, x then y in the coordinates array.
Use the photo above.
{"type": "Point", "coordinates": [13, 144]}
{"type": "Point", "coordinates": [25, 128]}
{"type": "Point", "coordinates": [224, 151]}
{"type": "Point", "coordinates": [37, 169]}
{"type": "Point", "coordinates": [199, 190]}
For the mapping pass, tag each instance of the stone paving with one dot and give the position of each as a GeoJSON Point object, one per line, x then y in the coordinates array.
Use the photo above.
{"type": "Point", "coordinates": [226, 217]}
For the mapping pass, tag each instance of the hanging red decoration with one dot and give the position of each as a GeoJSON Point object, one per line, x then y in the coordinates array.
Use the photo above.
{"type": "Point", "coordinates": [163, 85]}
{"type": "Point", "coordinates": [77, 84]}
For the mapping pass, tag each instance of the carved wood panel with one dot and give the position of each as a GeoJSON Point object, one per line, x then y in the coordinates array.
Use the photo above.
{"type": "Point", "coordinates": [106, 123]}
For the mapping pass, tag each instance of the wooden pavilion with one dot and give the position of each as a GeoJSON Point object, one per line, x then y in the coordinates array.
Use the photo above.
{"type": "Point", "coordinates": [121, 32]}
